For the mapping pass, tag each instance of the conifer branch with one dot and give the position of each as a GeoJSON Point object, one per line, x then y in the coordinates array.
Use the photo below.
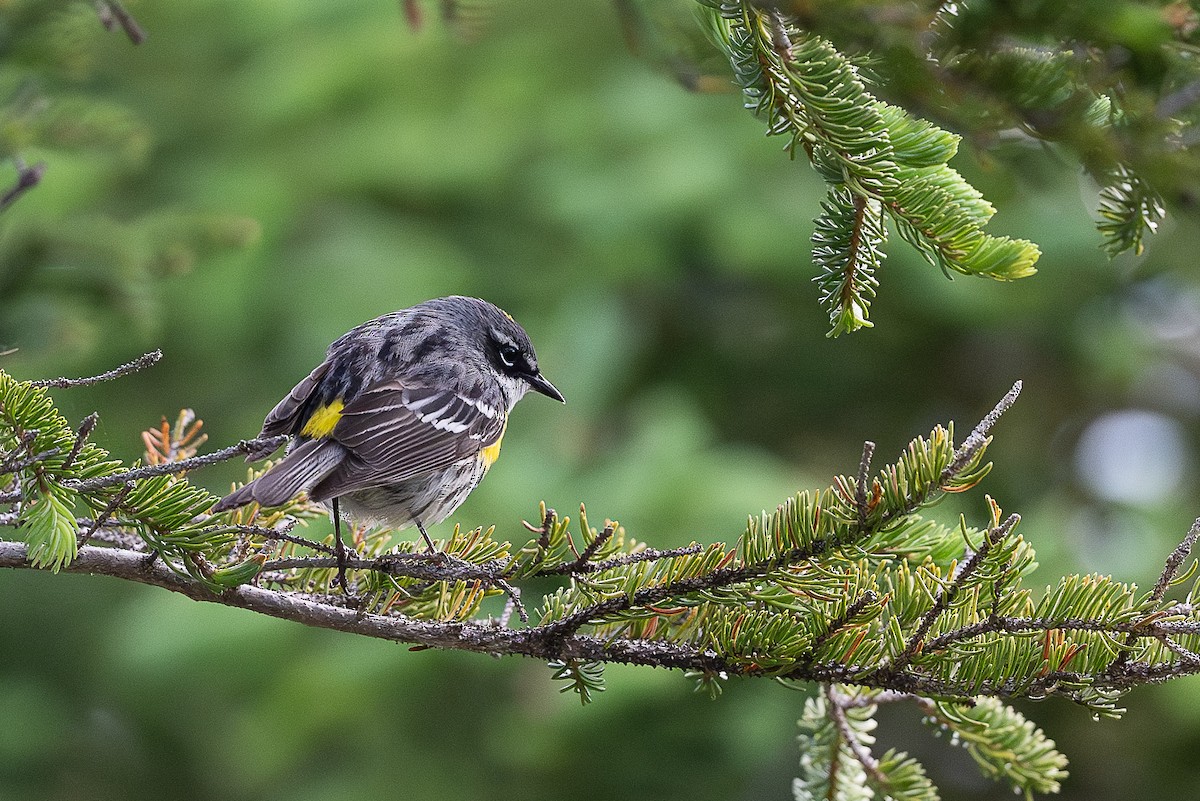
{"type": "Point", "coordinates": [836, 625]}
{"type": "Point", "coordinates": [85, 430]}
{"type": "Point", "coordinates": [875, 158]}
{"type": "Point", "coordinates": [549, 642]}
{"type": "Point", "coordinates": [849, 585]}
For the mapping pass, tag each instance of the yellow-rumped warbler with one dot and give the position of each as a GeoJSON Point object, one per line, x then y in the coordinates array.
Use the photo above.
{"type": "Point", "coordinates": [403, 418]}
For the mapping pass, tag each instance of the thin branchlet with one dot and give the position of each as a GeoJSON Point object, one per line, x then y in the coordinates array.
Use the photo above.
{"type": "Point", "coordinates": [1171, 568]}
{"type": "Point", "coordinates": [279, 533]}
{"type": "Point", "coordinates": [839, 623]}
{"type": "Point", "coordinates": [860, 490]}
{"type": "Point", "coordinates": [977, 439]}
{"type": "Point", "coordinates": [24, 442]}
{"type": "Point", "coordinates": [1187, 655]}
{"type": "Point", "coordinates": [140, 363]}
{"type": "Point", "coordinates": [644, 555]}
{"type": "Point", "coordinates": [90, 530]}
{"type": "Point", "coordinates": [246, 446]}
{"type": "Point", "coordinates": [837, 714]}
{"type": "Point", "coordinates": [85, 430]}
{"type": "Point", "coordinates": [949, 592]}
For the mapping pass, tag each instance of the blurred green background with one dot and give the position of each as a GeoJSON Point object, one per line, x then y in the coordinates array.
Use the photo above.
{"type": "Point", "coordinates": [259, 177]}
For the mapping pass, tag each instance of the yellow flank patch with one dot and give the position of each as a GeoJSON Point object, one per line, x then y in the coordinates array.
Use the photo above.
{"type": "Point", "coordinates": [322, 421]}
{"type": "Point", "coordinates": [491, 453]}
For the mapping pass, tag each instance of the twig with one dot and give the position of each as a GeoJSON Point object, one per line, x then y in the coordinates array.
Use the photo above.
{"type": "Point", "coordinates": [647, 555]}
{"type": "Point", "coordinates": [595, 545]}
{"type": "Point", "coordinates": [839, 623]}
{"type": "Point", "coordinates": [1175, 560]}
{"type": "Point", "coordinates": [1186, 654]}
{"type": "Point", "coordinates": [950, 591]}
{"type": "Point", "coordinates": [24, 443]}
{"type": "Point", "coordinates": [979, 435]}
{"type": "Point", "coordinates": [860, 491]}
{"type": "Point", "coordinates": [434, 566]}
{"type": "Point", "coordinates": [27, 178]}
{"type": "Point", "coordinates": [780, 42]}
{"type": "Point", "coordinates": [837, 713]}
{"type": "Point", "coordinates": [85, 430]}
{"type": "Point", "coordinates": [21, 464]}
{"type": "Point", "coordinates": [1015, 625]}
{"type": "Point", "coordinates": [281, 533]}
{"type": "Point", "coordinates": [873, 699]}
{"type": "Point", "coordinates": [720, 577]}
{"type": "Point", "coordinates": [140, 363]}
{"type": "Point", "coordinates": [514, 600]}
{"type": "Point", "coordinates": [246, 446]}
{"type": "Point", "coordinates": [112, 14]}
{"type": "Point", "coordinates": [102, 518]}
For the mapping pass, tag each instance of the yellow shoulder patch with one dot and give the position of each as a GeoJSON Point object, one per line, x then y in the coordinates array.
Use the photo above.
{"type": "Point", "coordinates": [323, 419]}
{"type": "Point", "coordinates": [491, 453]}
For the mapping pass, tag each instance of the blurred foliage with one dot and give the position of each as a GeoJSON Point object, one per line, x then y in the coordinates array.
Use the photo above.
{"type": "Point", "coordinates": [256, 178]}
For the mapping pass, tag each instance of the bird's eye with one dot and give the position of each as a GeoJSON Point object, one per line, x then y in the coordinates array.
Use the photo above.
{"type": "Point", "coordinates": [509, 355]}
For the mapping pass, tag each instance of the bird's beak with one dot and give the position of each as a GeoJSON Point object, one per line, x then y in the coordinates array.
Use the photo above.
{"type": "Point", "coordinates": [539, 382]}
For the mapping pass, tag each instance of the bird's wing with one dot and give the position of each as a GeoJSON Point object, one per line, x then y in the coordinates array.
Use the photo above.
{"type": "Point", "coordinates": [393, 433]}
{"type": "Point", "coordinates": [285, 417]}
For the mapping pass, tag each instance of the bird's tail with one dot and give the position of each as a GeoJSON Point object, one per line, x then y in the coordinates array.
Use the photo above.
{"type": "Point", "coordinates": [304, 466]}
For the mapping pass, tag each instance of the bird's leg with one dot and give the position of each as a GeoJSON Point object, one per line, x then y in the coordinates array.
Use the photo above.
{"type": "Point", "coordinates": [425, 534]}
{"type": "Point", "coordinates": [339, 547]}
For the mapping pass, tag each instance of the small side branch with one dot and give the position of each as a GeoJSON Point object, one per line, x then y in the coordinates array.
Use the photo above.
{"type": "Point", "coordinates": [839, 623]}
{"type": "Point", "coordinates": [246, 446]}
{"type": "Point", "coordinates": [837, 713]}
{"type": "Point", "coordinates": [140, 363]}
{"type": "Point", "coordinates": [85, 430]}
{"type": "Point", "coordinates": [979, 435]}
{"type": "Point", "coordinates": [280, 534]}
{"type": "Point", "coordinates": [595, 545]}
{"type": "Point", "coordinates": [102, 518]}
{"type": "Point", "coordinates": [860, 491]}
{"type": "Point", "coordinates": [647, 555]}
{"type": "Point", "coordinates": [950, 592]}
{"type": "Point", "coordinates": [1175, 560]}
{"type": "Point", "coordinates": [1170, 568]}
